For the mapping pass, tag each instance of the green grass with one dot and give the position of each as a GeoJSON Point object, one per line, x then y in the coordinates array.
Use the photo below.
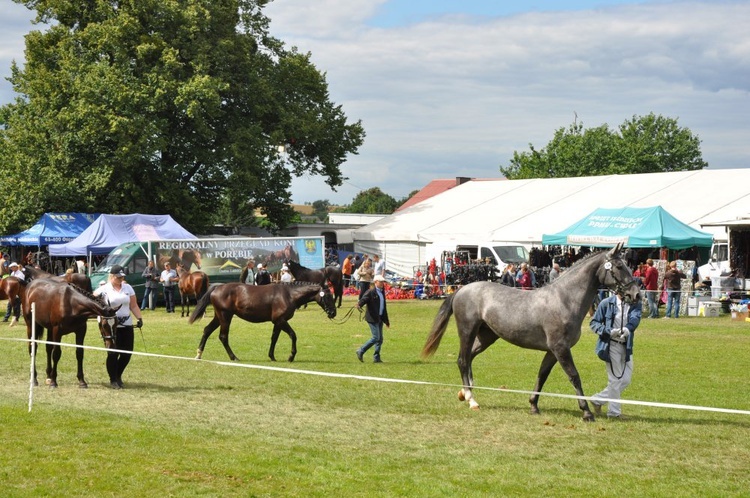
{"type": "Point", "coordinates": [190, 428]}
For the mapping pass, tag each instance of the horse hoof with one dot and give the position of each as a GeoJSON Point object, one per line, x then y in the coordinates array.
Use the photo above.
{"type": "Point", "coordinates": [83, 385]}
{"type": "Point", "coordinates": [474, 407]}
{"type": "Point", "coordinates": [461, 395]}
{"type": "Point", "coordinates": [291, 359]}
{"type": "Point", "coordinates": [534, 410]}
{"type": "Point", "coordinates": [48, 382]}
{"type": "Point", "coordinates": [588, 417]}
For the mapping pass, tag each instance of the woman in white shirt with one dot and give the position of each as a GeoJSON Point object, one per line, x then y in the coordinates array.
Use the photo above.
{"type": "Point", "coordinates": [119, 293]}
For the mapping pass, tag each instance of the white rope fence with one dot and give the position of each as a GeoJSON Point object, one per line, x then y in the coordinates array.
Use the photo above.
{"type": "Point", "coordinates": [368, 378]}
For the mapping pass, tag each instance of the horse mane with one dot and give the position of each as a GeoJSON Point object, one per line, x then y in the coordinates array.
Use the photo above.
{"type": "Point", "coordinates": [580, 262]}
{"type": "Point", "coordinates": [300, 283]}
{"type": "Point", "coordinates": [90, 295]}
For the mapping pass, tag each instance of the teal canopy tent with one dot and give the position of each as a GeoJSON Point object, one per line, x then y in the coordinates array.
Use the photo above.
{"type": "Point", "coordinates": [635, 227]}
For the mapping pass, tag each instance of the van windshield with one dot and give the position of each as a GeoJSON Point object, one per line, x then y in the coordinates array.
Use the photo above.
{"type": "Point", "coordinates": [111, 260]}
{"type": "Point", "coordinates": [512, 254]}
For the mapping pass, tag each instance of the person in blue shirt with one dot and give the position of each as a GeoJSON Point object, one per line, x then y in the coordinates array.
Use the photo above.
{"type": "Point", "coordinates": [376, 315]}
{"type": "Point", "coordinates": [615, 322]}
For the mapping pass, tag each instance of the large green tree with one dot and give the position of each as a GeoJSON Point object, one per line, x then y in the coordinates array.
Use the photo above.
{"type": "Point", "coordinates": [186, 107]}
{"type": "Point", "coordinates": [372, 201]}
{"type": "Point", "coordinates": [644, 144]}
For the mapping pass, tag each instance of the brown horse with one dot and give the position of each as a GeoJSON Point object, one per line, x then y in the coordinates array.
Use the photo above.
{"type": "Point", "coordinates": [62, 308]}
{"type": "Point", "coordinates": [191, 284]}
{"type": "Point", "coordinates": [274, 303]}
{"type": "Point", "coordinates": [330, 274]}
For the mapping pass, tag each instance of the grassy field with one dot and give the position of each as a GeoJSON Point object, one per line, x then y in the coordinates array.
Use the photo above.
{"type": "Point", "coordinates": [200, 428]}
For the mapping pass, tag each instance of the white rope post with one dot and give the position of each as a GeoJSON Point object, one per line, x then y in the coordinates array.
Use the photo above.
{"type": "Point", "coordinates": [33, 355]}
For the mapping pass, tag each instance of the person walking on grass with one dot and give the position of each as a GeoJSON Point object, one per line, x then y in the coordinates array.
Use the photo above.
{"type": "Point", "coordinates": [376, 315]}
{"type": "Point", "coordinates": [615, 322]}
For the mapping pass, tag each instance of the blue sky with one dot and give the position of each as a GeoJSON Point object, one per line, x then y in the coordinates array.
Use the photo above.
{"type": "Point", "coordinates": [454, 88]}
{"type": "Point", "coordinates": [396, 13]}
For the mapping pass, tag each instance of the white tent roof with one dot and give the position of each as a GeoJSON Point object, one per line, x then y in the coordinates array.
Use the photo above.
{"type": "Point", "coordinates": [523, 210]}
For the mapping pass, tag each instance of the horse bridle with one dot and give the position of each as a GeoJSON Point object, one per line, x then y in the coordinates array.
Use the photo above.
{"type": "Point", "coordinates": [619, 285]}
{"type": "Point", "coordinates": [111, 321]}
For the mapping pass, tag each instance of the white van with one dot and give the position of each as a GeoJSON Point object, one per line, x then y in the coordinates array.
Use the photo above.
{"type": "Point", "coordinates": [499, 253]}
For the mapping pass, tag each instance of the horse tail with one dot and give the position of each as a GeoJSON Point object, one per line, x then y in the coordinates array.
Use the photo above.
{"type": "Point", "coordinates": [202, 304]}
{"type": "Point", "coordinates": [438, 327]}
{"type": "Point", "coordinates": [204, 286]}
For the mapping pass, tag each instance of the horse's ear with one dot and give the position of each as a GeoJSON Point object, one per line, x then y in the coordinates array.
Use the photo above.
{"type": "Point", "coordinates": [615, 250]}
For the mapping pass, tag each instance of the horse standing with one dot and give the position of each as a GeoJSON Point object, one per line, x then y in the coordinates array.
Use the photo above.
{"type": "Point", "coordinates": [190, 284]}
{"type": "Point", "coordinates": [62, 308]}
{"type": "Point", "coordinates": [274, 303]}
{"type": "Point", "coordinates": [330, 274]}
{"type": "Point", "coordinates": [548, 319]}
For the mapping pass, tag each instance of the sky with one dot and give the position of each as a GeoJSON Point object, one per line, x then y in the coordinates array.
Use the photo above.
{"type": "Point", "coordinates": [446, 88]}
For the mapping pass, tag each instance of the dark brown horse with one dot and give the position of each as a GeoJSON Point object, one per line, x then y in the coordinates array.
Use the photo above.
{"type": "Point", "coordinates": [330, 274]}
{"type": "Point", "coordinates": [191, 284]}
{"type": "Point", "coordinates": [62, 308]}
{"type": "Point", "coordinates": [274, 303]}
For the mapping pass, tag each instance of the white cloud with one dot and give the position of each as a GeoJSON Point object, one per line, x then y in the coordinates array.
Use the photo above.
{"type": "Point", "coordinates": [455, 95]}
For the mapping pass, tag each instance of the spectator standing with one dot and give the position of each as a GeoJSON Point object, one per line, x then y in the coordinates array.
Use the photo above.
{"type": "Point", "coordinates": [248, 273]}
{"type": "Point", "coordinates": [151, 276]}
{"type": "Point", "coordinates": [672, 279]}
{"type": "Point", "coordinates": [262, 277]}
{"type": "Point", "coordinates": [524, 278]}
{"type": "Point", "coordinates": [509, 276]}
{"type": "Point", "coordinates": [554, 272]}
{"type": "Point", "coordinates": [366, 275]}
{"type": "Point", "coordinates": [532, 278]}
{"type": "Point", "coordinates": [379, 265]}
{"type": "Point", "coordinates": [169, 279]}
{"type": "Point", "coordinates": [651, 282]}
{"type": "Point", "coordinates": [346, 270]}
{"type": "Point", "coordinates": [286, 277]}
{"type": "Point", "coordinates": [14, 305]}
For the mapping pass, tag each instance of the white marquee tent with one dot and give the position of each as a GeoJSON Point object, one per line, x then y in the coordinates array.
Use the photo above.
{"type": "Point", "coordinates": [521, 211]}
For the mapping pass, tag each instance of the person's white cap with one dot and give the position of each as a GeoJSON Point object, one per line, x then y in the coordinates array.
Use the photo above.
{"type": "Point", "coordinates": [13, 264]}
{"type": "Point", "coordinates": [379, 278]}
{"type": "Point", "coordinates": [260, 266]}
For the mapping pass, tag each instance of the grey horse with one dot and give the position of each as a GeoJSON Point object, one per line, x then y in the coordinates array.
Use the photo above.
{"type": "Point", "coordinates": [547, 319]}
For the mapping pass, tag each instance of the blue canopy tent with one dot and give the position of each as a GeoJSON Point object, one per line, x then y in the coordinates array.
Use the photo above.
{"type": "Point", "coordinates": [635, 227]}
{"type": "Point", "coordinates": [52, 228]}
{"type": "Point", "coordinates": [111, 230]}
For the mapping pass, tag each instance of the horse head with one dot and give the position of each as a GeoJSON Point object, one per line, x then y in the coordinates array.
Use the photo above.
{"type": "Point", "coordinates": [616, 275]}
{"type": "Point", "coordinates": [107, 319]}
{"type": "Point", "coordinates": [325, 300]}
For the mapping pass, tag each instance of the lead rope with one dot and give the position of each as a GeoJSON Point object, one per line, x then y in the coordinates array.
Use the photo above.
{"type": "Point", "coordinates": [346, 316]}
{"type": "Point", "coordinates": [624, 358]}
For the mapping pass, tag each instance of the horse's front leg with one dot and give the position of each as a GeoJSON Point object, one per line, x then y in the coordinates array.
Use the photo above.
{"type": "Point", "coordinates": [545, 368]}
{"type": "Point", "coordinates": [182, 305]}
{"type": "Point", "coordinates": [224, 338]}
{"type": "Point", "coordinates": [292, 335]}
{"type": "Point", "coordinates": [79, 358]}
{"type": "Point", "coordinates": [274, 337]}
{"type": "Point", "coordinates": [566, 362]}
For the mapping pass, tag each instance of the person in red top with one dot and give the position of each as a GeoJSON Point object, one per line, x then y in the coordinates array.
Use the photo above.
{"type": "Point", "coordinates": [346, 270]}
{"type": "Point", "coordinates": [524, 281]}
{"type": "Point", "coordinates": [650, 281]}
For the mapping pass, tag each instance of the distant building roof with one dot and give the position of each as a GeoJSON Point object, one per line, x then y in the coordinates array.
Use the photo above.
{"type": "Point", "coordinates": [436, 187]}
